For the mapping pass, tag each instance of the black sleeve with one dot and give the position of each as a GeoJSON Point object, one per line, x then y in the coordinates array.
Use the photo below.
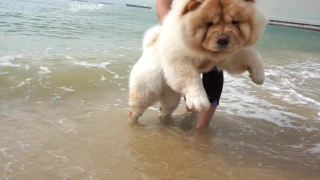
{"type": "Point", "coordinates": [213, 84]}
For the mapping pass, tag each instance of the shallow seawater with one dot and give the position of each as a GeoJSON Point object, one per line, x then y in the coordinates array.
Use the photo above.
{"type": "Point", "coordinates": [63, 104]}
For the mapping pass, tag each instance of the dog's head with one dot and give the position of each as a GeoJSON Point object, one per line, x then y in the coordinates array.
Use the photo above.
{"type": "Point", "coordinates": [221, 27]}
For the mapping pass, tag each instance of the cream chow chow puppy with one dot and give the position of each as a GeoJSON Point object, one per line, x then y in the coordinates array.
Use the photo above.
{"type": "Point", "coordinates": [195, 36]}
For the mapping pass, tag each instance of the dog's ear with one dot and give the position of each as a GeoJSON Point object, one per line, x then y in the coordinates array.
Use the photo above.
{"type": "Point", "coordinates": [192, 5]}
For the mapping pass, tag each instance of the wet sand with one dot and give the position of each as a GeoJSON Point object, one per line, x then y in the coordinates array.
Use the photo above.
{"type": "Point", "coordinates": [92, 140]}
{"type": "Point", "coordinates": [63, 104]}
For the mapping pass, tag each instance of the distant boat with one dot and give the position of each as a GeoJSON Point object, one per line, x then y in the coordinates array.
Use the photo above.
{"type": "Point", "coordinates": [139, 6]}
{"type": "Point", "coordinates": [80, 0]}
{"type": "Point", "coordinates": [110, 3]}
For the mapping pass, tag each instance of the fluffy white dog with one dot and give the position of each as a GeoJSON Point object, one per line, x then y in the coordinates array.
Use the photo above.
{"type": "Point", "coordinates": [196, 36]}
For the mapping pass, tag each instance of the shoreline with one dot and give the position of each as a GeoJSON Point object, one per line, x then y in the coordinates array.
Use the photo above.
{"type": "Point", "coordinates": [307, 26]}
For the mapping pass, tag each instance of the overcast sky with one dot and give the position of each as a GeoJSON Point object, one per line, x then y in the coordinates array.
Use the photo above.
{"type": "Point", "coordinates": [297, 9]}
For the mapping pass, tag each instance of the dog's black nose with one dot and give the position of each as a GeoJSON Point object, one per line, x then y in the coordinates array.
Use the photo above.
{"type": "Point", "coordinates": [223, 40]}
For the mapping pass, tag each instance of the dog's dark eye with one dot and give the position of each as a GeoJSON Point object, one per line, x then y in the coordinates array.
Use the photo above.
{"type": "Point", "coordinates": [210, 24]}
{"type": "Point", "coordinates": [236, 23]}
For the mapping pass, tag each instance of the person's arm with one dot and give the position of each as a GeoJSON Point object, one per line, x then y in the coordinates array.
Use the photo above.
{"type": "Point", "coordinates": [163, 8]}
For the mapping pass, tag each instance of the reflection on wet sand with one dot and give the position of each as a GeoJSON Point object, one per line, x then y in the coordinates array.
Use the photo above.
{"type": "Point", "coordinates": [230, 150]}
{"type": "Point", "coordinates": [87, 137]}
{"type": "Point", "coordinates": [63, 104]}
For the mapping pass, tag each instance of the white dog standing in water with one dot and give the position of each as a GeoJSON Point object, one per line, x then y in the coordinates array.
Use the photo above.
{"type": "Point", "coordinates": [196, 36]}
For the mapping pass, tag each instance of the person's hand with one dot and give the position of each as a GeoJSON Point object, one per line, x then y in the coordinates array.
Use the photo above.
{"type": "Point", "coordinates": [162, 8]}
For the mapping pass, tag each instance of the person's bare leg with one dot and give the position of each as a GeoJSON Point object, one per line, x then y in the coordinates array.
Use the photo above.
{"type": "Point", "coordinates": [205, 117]}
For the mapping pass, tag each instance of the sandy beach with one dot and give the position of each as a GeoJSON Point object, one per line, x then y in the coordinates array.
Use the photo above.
{"type": "Point", "coordinates": [63, 104]}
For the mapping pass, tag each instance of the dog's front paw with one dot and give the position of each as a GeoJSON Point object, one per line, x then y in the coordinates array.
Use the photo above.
{"type": "Point", "coordinates": [197, 102]}
{"type": "Point", "coordinates": [258, 77]}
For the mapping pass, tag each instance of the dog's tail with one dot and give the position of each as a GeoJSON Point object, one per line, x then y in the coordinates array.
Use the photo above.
{"type": "Point", "coordinates": [151, 36]}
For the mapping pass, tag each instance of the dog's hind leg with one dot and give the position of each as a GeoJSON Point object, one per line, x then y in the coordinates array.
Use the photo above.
{"type": "Point", "coordinates": [138, 104]}
{"type": "Point", "coordinates": [169, 102]}
{"type": "Point", "coordinates": [135, 113]}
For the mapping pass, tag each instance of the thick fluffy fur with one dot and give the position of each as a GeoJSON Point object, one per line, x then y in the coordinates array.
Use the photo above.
{"type": "Point", "coordinates": [186, 45]}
